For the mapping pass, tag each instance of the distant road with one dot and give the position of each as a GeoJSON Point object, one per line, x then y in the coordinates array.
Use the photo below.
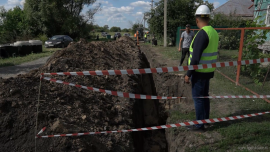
{"type": "Point", "coordinates": [13, 71]}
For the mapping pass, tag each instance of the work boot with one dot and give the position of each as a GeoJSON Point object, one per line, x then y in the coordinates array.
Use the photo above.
{"type": "Point", "coordinates": [207, 125]}
{"type": "Point", "coordinates": [195, 129]}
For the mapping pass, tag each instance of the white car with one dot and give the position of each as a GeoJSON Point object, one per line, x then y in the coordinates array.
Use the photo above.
{"type": "Point", "coordinates": [104, 34]}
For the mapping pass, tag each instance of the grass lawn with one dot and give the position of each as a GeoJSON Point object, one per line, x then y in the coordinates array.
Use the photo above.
{"type": "Point", "coordinates": [122, 33]}
{"type": "Point", "coordinates": [19, 60]}
{"type": "Point", "coordinates": [238, 134]}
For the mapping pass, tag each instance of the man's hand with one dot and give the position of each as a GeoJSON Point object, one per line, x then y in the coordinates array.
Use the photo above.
{"type": "Point", "coordinates": [187, 79]}
{"type": "Point", "coordinates": [179, 49]}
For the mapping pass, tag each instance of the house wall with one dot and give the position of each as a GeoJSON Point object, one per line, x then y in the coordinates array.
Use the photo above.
{"type": "Point", "coordinates": [261, 5]}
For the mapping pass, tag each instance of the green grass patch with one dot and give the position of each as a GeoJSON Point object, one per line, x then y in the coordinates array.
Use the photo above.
{"type": "Point", "coordinates": [168, 52]}
{"type": "Point", "coordinates": [122, 33]}
{"type": "Point", "coordinates": [22, 59]}
{"type": "Point", "coordinates": [232, 55]}
{"type": "Point", "coordinates": [249, 132]}
{"type": "Point", "coordinates": [171, 52]}
{"type": "Point", "coordinates": [177, 116]}
{"type": "Point", "coordinates": [242, 135]}
{"type": "Point", "coordinates": [237, 135]}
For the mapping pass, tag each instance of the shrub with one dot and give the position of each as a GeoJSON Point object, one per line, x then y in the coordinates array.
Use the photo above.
{"type": "Point", "coordinates": [254, 38]}
{"type": "Point", "coordinates": [43, 38]}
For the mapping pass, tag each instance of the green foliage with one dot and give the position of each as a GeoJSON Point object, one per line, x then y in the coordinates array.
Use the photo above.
{"type": "Point", "coordinates": [54, 17]}
{"type": "Point", "coordinates": [230, 39]}
{"type": "Point", "coordinates": [254, 38]}
{"type": "Point", "coordinates": [106, 27]}
{"type": "Point", "coordinates": [126, 30]}
{"type": "Point", "coordinates": [43, 38]}
{"type": "Point", "coordinates": [98, 28]}
{"type": "Point", "coordinates": [135, 26]}
{"type": "Point", "coordinates": [179, 13]}
{"type": "Point", "coordinates": [13, 24]}
{"type": "Point", "coordinates": [115, 29]}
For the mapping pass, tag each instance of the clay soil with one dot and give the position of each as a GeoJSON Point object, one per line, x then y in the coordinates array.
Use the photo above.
{"type": "Point", "coordinates": [65, 109]}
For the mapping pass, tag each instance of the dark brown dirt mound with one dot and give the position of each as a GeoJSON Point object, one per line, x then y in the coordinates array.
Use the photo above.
{"type": "Point", "coordinates": [66, 109]}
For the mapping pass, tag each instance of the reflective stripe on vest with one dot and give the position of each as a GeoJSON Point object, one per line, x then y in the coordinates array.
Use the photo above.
{"type": "Point", "coordinates": [209, 55]}
{"type": "Point", "coordinates": [207, 61]}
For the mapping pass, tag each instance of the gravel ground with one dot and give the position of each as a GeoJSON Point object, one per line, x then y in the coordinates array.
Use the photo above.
{"type": "Point", "coordinates": [13, 71]}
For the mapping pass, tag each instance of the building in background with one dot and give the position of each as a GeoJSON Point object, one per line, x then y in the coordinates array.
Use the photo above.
{"type": "Point", "coordinates": [237, 8]}
{"type": "Point", "coordinates": [262, 12]}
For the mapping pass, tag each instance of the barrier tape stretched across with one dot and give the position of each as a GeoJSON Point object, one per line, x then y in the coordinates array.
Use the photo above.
{"type": "Point", "coordinates": [160, 127]}
{"type": "Point", "coordinates": [162, 70]}
{"type": "Point", "coordinates": [42, 130]}
{"type": "Point", "coordinates": [140, 96]}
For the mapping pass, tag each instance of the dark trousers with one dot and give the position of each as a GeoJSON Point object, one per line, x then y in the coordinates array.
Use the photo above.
{"type": "Point", "coordinates": [200, 88]}
{"type": "Point", "coordinates": [184, 52]}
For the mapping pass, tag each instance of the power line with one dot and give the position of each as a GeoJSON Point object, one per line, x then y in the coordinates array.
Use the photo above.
{"type": "Point", "coordinates": [165, 23]}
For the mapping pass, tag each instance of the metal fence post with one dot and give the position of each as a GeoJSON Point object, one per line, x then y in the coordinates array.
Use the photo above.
{"type": "Point", "coordinates": [240, 55]}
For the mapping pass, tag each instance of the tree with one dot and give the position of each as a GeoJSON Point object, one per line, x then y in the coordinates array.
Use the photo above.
{"type": "Point", "coordinates": [53, 17]}
{"type": "Point", "coordinates": [106, 27]}
{"type": "Point", "coordinates": [134, 26]}
{"type": "Point", "coordinates": [126, 30]}
{"type": "Point", "coordinates": [254, 39]}
{"type": "Point", "coordinates": [179, 13]}
{"type": "Point", "coordinates": [228, 39]}
{"type": "Point", "coordinates": [98, 28]}
{"type": "Point", "coordinates": [115, 29]}
{"type": "Point", "coordinates": [13, 24]}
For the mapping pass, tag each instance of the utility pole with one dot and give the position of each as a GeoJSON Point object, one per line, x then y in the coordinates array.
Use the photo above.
{"type": "Point", "coordinates": [152, 5]}
{"type": "Point", "coordinates": [152, 1]}
{"type": "Point", "coordinates": [165, 23]}
{"type": "Point", "coordinates": [144, 21]}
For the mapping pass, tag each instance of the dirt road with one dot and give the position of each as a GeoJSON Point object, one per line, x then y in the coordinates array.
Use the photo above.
{"type": "Point", "coordinates": [13, 71]}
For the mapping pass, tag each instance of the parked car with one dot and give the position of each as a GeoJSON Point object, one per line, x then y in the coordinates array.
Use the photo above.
{"type": "Point", "coordinates": [104, 34]}
{"type": "Point", "coordinates": [117, 34]}
{"type": "Point", "coordinates": [127, 34]}
{"type": "Point", "coordinates": [57, 41]}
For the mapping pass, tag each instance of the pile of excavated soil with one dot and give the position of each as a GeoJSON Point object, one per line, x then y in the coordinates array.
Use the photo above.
{"type": "Point", "coordinates": [66, 109]}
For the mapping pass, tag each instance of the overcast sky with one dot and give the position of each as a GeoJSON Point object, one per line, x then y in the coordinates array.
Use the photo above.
{"type": "Point", "coordinates": [114, 12]}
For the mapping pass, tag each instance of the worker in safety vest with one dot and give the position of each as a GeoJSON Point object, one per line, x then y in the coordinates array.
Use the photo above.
{"type": "Point", "coordinates": [145, 37]}
{"type": "Point", "coordinates": [203, 50]}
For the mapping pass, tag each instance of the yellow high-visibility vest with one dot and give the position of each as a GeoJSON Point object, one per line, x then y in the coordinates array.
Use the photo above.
{"type": "Point", "coordinates": [209, 55]}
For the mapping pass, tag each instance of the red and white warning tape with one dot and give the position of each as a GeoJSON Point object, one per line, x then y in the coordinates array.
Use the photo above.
{"type": "Point", "coordinates": [140, 96]}
{"type": "Point", "coordinates": [160, 127]}
{"type": "Point", "coordinates": [239, 96]}
{"type": "Point", "coordinates": [162, 70]}
{"type": "Point", "coordinates": [42, 130]}
{"type": "Point", "coordinates": [116, 93]}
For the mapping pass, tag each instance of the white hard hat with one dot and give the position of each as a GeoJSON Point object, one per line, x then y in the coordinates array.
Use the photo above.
{"type": "Point", "coordinates": [203, 10]}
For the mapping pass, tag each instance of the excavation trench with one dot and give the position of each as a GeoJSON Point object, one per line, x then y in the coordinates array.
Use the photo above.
{"type": "Point", "coordinates": [146, 114]}
{"type": "Point", "coordinates": [66, 109]}
{"type": "Point", "coordinates": [171, 84]}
